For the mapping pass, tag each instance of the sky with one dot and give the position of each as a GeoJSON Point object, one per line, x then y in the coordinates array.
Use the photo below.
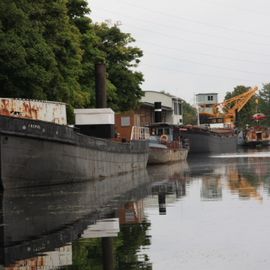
{"type": "Point", "coordinates": [195, 46]}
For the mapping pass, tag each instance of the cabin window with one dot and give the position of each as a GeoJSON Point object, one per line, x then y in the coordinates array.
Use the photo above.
{"type": "Point", "coordinates": [210, 98]}
{"type": "Point", "coordinates": [125, 121]}
{"type": "Point", "coordinates": [159, 132]}
{"type": "Point", "coordinates": [166, 131]}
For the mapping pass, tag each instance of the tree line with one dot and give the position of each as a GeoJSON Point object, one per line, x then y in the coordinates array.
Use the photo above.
{"type": "Point", "coordinates": [48, 50]}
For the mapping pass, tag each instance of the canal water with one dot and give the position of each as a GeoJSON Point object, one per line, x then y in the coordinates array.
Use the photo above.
{"type": "Point", "coordinates": [211, 212]}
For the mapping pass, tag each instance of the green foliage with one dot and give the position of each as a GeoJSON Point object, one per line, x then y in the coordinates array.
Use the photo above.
{"type": "Point", "coordinates": [48, 50]}
{"type": "Point", "coordinates": [264, 103]}
{"type": "Point", "coordinates": [27, 63]}
{"type": "Point", "coordinates": [131, 238]}
{"type": "Point", "coordinates": [189, 114]}
{"type": "Point", "coordinates": [87, 253]}
{"type": "Point", "coordinates": [245, 115]}
{"type": "Point", "coordinates": [121, 60]}
{"type": "Point", "coordinates": [39, 51]}
{"type": "Point", "coordinates": [64, 39]}
{"type": "Point", "coordinates": [77, 12]}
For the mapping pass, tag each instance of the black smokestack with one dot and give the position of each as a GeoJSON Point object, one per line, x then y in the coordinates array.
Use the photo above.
{"type": "Point", "coordinates": [157, 112]}
{"type": "Point", "coordinates": [100, 77]}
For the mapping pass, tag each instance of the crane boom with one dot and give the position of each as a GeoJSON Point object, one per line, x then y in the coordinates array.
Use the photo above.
{"type": "Point", "coordinates": [228, 109]}
{"type": "Point", "coordinates": [237, 102]}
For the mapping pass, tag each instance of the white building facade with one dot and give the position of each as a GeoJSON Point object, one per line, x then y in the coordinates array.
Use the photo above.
{"type": "Point", "coordinates": [172, 106]}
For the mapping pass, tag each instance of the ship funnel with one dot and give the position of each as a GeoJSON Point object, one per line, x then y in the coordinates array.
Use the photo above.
{"type": "Point", "coordinates": [100, 79]}
{"type": "Point", "coordinates": [158, 111]}
{"type": "Point", "coordinates": [98, 122]}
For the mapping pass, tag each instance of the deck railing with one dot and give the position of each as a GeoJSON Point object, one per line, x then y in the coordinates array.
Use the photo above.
{"type": "Point", "coordinates": [139, 133]}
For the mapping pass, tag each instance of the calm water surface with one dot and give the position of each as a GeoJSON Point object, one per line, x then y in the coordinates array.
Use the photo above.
{"type": "Point", "coordinates": [207, 213]}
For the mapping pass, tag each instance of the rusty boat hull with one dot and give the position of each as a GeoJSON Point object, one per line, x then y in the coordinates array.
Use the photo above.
{"type": "Point", "coordinates": [38, 153]}
{"type": "Point", "coordinates": [158, 155]}
{"type": "Point", "coordinates": [254, 136]}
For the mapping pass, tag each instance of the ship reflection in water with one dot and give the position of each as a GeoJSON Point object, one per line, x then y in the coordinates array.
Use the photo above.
{"type": "Point", "coordinates": [206, 213]}
{"type": "Point", "coordinates": [48, 227]}
{"type": "Point", "coordinates": [247, 173]}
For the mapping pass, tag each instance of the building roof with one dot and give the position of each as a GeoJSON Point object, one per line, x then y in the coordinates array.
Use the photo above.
{"type": "Point", "coordinates": [164, 93]}
{"type": "Point", "coordinates": [206, 94]}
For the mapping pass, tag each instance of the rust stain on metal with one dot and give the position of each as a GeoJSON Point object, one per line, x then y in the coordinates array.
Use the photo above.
{"type": "Point", "coordinates": [4, 107]}
{"type": "Point", "coordinates": [32, 109]}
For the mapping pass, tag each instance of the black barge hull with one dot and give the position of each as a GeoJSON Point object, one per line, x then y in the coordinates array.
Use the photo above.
{"type": "Point", "coordinates": [37, 153]}
{"type": "Point", "coordinates": [201, 141]}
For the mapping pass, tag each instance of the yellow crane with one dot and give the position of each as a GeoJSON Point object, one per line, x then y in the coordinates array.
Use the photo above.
{"type": "Point", "coordinates": [227, 110]}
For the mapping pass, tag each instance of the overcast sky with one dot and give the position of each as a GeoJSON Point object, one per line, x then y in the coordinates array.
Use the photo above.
{"type": "Point", "coordinates": [195, 46]}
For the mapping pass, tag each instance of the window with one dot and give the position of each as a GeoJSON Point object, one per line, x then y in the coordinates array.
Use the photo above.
{"type": "Point", "coordinates": [125, 121]}
{"type": "Point", "coordinates": [210, 98]}
{"type": "Point", "coordinates": [177, 108]}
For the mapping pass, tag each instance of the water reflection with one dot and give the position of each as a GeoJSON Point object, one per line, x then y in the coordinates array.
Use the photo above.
{"type": "Point", "coordinates": [249, 175]}
{"type": "Point", "coordinates": [245, 173]}
{"type": "Point", "coordinates": [169, 183]}
{"type": "Point", "coordinates": [124, 252]}
{"type": "Point", "coordinates": [244, 183]}
{"type": "Point", "coordinates": [200, 214]}
{"type": "Point", "coordinates": [218, 223]}
{"type": "Point", "coordinates": [211, 188]}
{"type": "Point", "coordinates": [39, 225]}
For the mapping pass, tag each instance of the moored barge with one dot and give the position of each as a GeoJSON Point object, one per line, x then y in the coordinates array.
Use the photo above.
{"type": "Point", "coordinates": [37, 153]}
{"type": "Point", "coordinates": [254, 136]}
{"type": "Point", "coordinates": [202, 140]}
{"type": "Point", "coordinates": [165, 144]}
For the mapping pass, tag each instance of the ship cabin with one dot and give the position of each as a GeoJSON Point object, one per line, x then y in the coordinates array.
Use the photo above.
{"type": "Point", "coordinates": [205, 103]}
{"type": "Point", "coordinates": [166, 134]}
{"type": "Point", "coordinates": [166, 130]}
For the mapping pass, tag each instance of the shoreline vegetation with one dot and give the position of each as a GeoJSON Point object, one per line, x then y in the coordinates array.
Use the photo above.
{"type": "Point", "coordinates": [48, 51]}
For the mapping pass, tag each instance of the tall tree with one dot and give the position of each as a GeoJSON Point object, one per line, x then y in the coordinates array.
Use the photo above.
{"type": "Point", "coordinates": [189, 114]}
{"type": "Point", "coordinates": [78, 12]}
{"type": "Point", "coordinates": [40, 53]}
{"type": "Point", "coordinates": [48, 50]}
{"type": "Point", "coordinates": [27, 63]}
{"type": "Point", "coordinates": [122, 59]}
{"type": "Point", "coordinates": [64, 39]}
